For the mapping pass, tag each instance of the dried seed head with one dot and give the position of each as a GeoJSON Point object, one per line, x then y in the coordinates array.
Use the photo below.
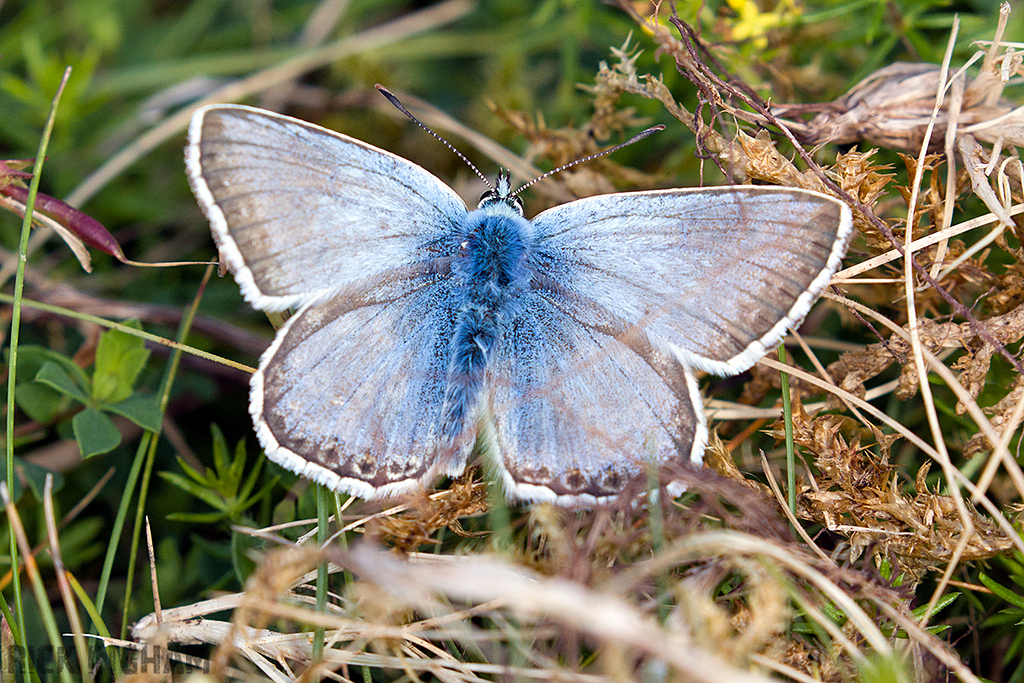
{"type": "Point", "coordinates": [892, 107]}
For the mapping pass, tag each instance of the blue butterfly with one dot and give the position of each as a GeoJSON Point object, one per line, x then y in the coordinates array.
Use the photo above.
{"type": "Point", "coordinates": [564, 345]}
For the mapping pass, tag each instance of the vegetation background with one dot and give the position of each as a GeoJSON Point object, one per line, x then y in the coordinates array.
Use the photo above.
{"type": "Point", "coordinates": [714, 585]}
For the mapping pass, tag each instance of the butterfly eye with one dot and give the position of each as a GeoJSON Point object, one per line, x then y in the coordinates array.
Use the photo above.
{"type": "Point", "coordinates": [516, 204]}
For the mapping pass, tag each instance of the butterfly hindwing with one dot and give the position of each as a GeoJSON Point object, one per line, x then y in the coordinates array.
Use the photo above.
{"type": "Point", "coordinates": [301, 212]}
{"type": "Point", "coordinates": [577, 412]}
{"type": "Point", "coordinates": [350, 393]}
{"type": "Point", "coordinates": [719, 274]}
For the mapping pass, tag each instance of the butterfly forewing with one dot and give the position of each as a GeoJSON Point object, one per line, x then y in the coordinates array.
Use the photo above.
{"type": "Point", "coordinates": [720, 274]}
{"type": "Point", "coordinates": [301, 212]}
{"type": "Point", "coordinates": [578, 412]}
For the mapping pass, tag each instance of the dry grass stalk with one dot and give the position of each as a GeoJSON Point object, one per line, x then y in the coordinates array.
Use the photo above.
{"type": "Point", "coordinates": [407, 615]}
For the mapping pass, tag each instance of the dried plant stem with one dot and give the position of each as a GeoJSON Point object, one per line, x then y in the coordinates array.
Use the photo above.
{"type": "Point", "coordinates": [939, 368]}
{"type": "Point", "coordinates": [910, 436]}
{"type": "Point", "coordinates": [1001, 453]}
{"type": "Point", "coordinates": [956, 102]}
{"type": "Point", "coordinates": [816, 362]}
{"type": "Point", "coordinates": [847, 274]}
{"type": "Point", "coordinates": [64, 586]}
{"type": "Point", "coordinates": [918, 350]}
{"type": "Point", "coordinates": [790, 515]}
{"type": "Point", "coordinates": [19, 537]}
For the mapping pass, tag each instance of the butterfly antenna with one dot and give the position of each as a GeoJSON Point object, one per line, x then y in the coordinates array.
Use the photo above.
{"type": "Point", "coordinates": [636, 138]}
{"type": "Point", "coordinates": [398, 105]}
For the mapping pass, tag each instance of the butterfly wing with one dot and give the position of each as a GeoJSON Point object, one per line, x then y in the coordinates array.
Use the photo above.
{"type": "Point", "coordinates": [578, 411]}
{"type": "Point", "coordinates": [350, 392]}
{"type": "Point", "coordinates": [301, 212]}
{"type": "Point", "coordinates": [718, 275]}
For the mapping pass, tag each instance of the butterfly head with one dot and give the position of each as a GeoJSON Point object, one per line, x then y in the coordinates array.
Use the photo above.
{"type": "Point", "coordinates": [500, 198]}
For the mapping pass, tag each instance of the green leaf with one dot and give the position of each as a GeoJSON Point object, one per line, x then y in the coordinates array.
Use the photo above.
{"type": "Point", "coordinates": [1001, 591]}
{"type": "Point", "coordinates": [250, 482]}
{"type": "Point", "coordinates": [224, 486]}
{"type": "Point", "coordinates": [220, 449]}
{"type": "Point", "coordinates": [284, 512]}
{"type": "Point", "coordinates": [120, 358]}
{"type": "Point", "coordinates": [242, 547]}
{"type": "Point", "coordinates": [198, 477]}
{"type": "Point", "coordinates": [40, 402]}
{"type": "Point", "coordinates": [142, 410]}
{"type": "Point", "coordinates": [208, 496]}
{"type": "Point", "coordinates": [95, 432]}
{"type": "Point", "coordinates": [942, 603]}
{"type": "Point", "coordinates": [54, 376]}
{"type": "Point", "coordinates": [834, 613]}
{"type": "Point", "coordinates": [32, 357]}
{"type": "Point", "coordinates": [196, 517]}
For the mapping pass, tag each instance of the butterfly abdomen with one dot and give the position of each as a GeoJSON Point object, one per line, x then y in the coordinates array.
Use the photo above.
{"type": "Point", "coordinates": [476, 336]}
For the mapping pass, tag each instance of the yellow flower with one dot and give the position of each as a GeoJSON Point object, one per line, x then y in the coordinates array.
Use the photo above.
{"type": "Point", "coordinates": [752, 24]}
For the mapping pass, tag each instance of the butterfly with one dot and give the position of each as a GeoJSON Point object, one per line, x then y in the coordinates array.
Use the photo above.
{"type": "Point", "coordinates": [563, 347]}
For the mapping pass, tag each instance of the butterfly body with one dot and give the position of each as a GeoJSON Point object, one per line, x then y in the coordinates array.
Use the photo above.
{"type": "Point", "coordinates": [566, 342]}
